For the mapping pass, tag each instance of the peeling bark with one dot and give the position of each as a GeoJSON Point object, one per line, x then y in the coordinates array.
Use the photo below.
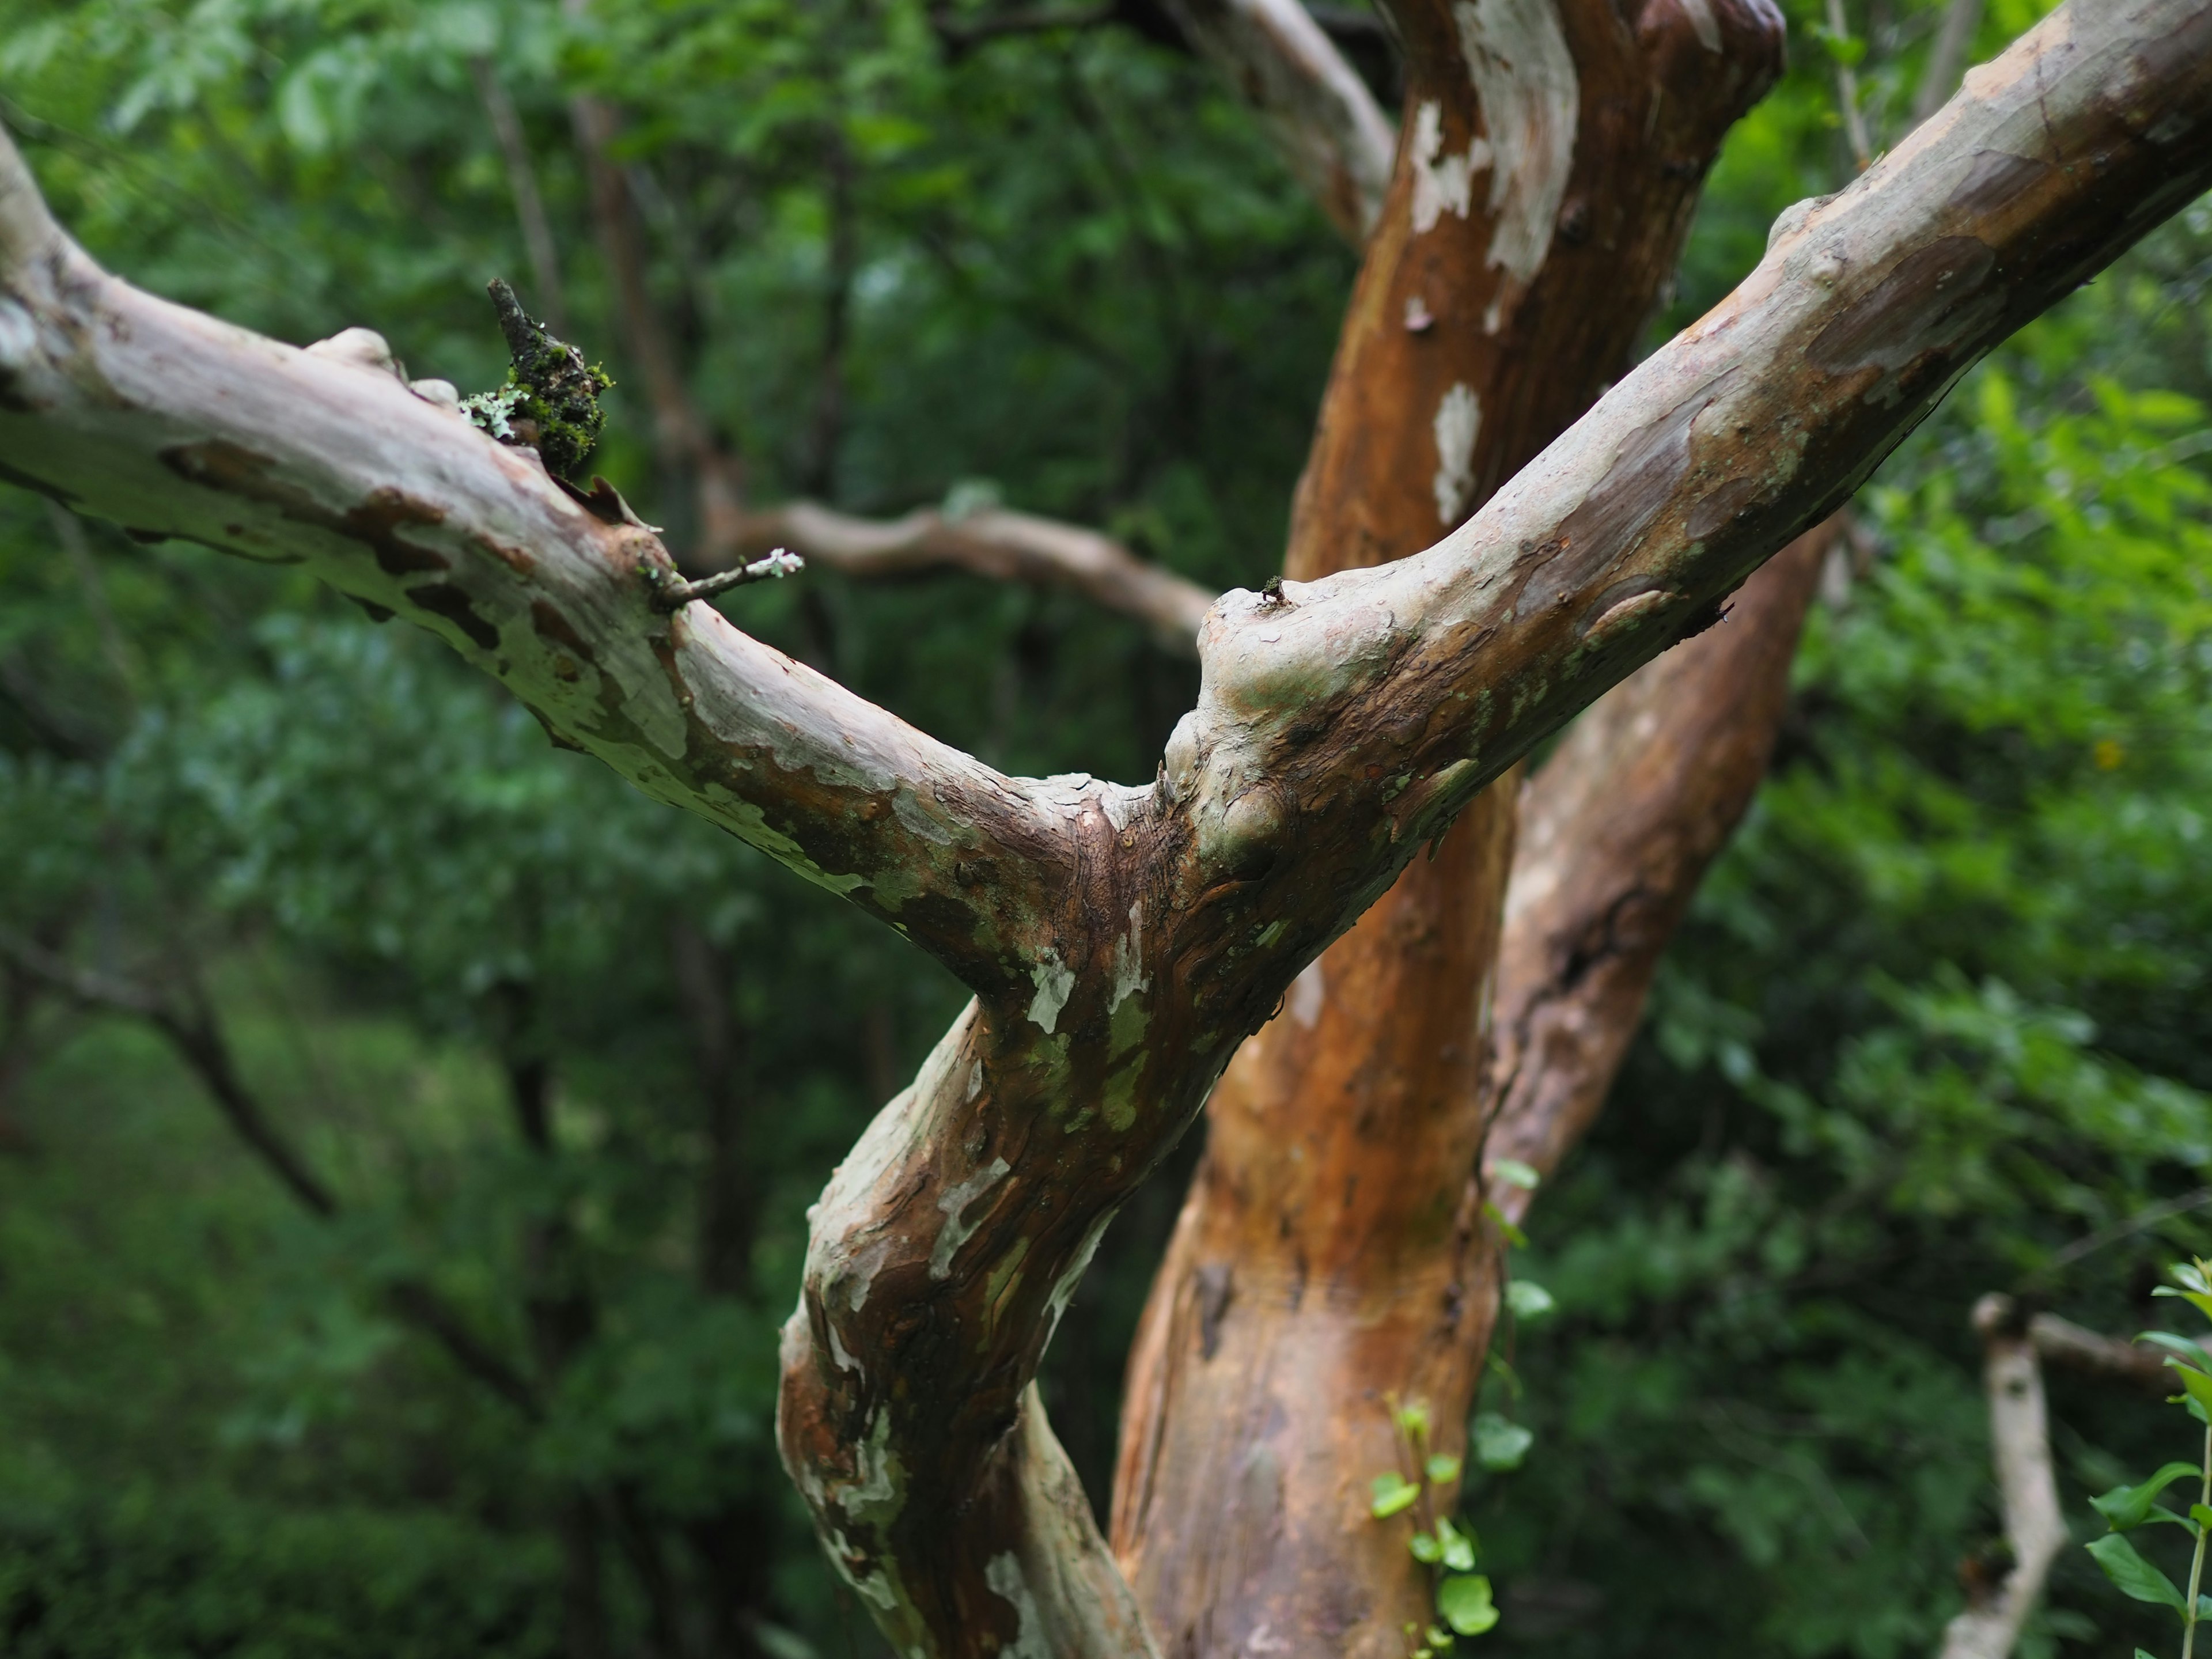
{"type": "Point", "coordinates": [1616, 831]}
{"type": "Point", "coordinates": [1329, 1257]}
{"type": "Point", "coordinates": [1319, 112]}
{"type": "Point", "coordinates": [1121, 942]}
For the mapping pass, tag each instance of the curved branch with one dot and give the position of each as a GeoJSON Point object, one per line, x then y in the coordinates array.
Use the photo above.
{"type": "Point", "coordinates": [1004, 545]}
{"type": "Point", "coordinates": [1124, 942]}
{"type": "Point", "coordinates": [175, 424]}
{"type": "Point", "coordinates": [198, 1038]}
{"type": "Point", "coordinates": [1616, 832]}
{"type": "Point", "coordinates": [1323, 119]}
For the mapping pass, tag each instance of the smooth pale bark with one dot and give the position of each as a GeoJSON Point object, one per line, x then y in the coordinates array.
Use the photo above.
{"type": "Point", "coordinates": [993, 542]}
{"type": "Point", "coordinates": [1323, 118]}
{"type": "Point", "coordinates": [1330, 1256]}
{"type": "Point", "coordinates": [2019, 1449]}
{"type": "Point", "coordinates": [1616, 832]}
{"type": "Point", "coordinates": [1123, 942]}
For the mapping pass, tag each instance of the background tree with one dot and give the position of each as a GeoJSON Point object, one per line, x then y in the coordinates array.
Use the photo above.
{"type": "Point", "coordinates": [1012, 50]}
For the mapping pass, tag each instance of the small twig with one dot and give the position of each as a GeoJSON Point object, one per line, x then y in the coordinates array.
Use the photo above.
{"type": "Point", "coordinates": [522, 185]}
{"type": "Point", "coordinates": [1847, 89]}
{"type": "Point", "coordinates": [1947, 57]}
{"type": "Point", "coordinates": [2149, 1216]}
{"type": "Point", "coordinates": [675, 595]}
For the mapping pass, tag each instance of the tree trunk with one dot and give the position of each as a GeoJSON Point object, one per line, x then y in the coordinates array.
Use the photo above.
{"type": "Point", "coordinates": [1120, 943]}
{"type": "Point", "coordinates": [1331, 1257]}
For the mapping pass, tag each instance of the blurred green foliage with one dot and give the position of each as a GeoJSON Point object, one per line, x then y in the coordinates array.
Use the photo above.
{"type": "Point", "coordinates": [572, 1065]}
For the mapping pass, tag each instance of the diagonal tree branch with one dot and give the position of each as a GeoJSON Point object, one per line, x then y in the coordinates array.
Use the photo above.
{"type": "Point", "coordinates": [192, 1030]}
{"type": "Point", "coordinates": [180, 425]}
{"type": "Point", "coordinates": [1324, 121]}
{"type": "Point", "coordinates": [1124, 942]}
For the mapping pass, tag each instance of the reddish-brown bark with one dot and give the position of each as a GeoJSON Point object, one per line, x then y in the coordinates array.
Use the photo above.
{"type": "Point", "coordinates": [1121, 942]}
{"type": "Point", "coordinates": [1328, 1255]}
{"type": "Point", "coordinates": [1616, 830]}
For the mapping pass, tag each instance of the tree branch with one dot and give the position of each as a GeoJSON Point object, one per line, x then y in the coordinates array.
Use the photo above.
{"type": "Point", "coordinates": [1324, 121]}
{"type": "Point", "coordinates": [178, 425]}
{"type": "Point", "coordinates": [522, 184]}
{"type": "Point", "coordinates": [1343, 1140]}
{"type": "Point", "coordinates": [994, 542]}
{"type": "Point", "coordinates": [198, 1039]}
{"type": "Point", "coordinates": [2020, 1445]}
{"type": "Point", "coordinates": [1947, 57]}
{"type": "Point", "coordinates": [1616, 832]}
{"type": "Point", "coordinates": [1123, 942]}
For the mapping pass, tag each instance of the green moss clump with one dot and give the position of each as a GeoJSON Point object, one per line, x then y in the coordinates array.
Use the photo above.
{"type": "Point", "coordinates": [551, 400]}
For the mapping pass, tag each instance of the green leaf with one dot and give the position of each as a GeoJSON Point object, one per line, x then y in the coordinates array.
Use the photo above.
{"type": "Point", "coordinates": [1442, 1468]}
{"type": "Point", "coordinates": [1514, 1173]}
{"type": "Point", "coordinates": [2197, 1299]}
{"type": "Point", "coordinates": [2189, 1352]}
{"type": "Point", "coordinates": [2200, 1515]}
{"type": "Point", "coordinates": [1394, 1495]}
{"type": "Point", "coordinates": [1458, 1547]}
{"type": "Point", "coordinates": [1437, 1637]}
{"type": "Point", "coordinates": [1413, 1419]}
{"type": "Point", "coordinates": [1425, 1549]}
{"type": "Point", "coordinates": [1466, 1605]}
{"type": "Point", "coordinates": [2134, 1575]}
{"type": "Point", "coordinates": [2198, 1385]}
{"type": "Point", "coordinates": [1499, 1442]}
{"type": "Point", "coordinates": [1528, 1301]}
{"type": "Point", "coordinates": [2126, 1508]}
{"type": "Point", "coordinates": [1514, 1236]}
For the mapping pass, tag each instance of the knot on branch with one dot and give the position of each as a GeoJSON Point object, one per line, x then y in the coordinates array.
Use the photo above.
{"type": "Point", "coordinates": [550, 401]}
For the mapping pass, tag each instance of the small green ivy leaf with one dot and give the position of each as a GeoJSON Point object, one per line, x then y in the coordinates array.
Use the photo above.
{"type": "Point", "coordinates": [1514, 1173]}
{"type": "Point", "coordinates": [1425, 1549]}
{"type": "Point", "coordinates": [1458, 1547]}
{"type": "Point", "coordinates": [1394, 1495]}
{"type": "Point", "coordinates": [1499, 1442]}
{"type": "Point", "coordinates": [2133, 1575]}
{"type": "Point", "coordinates": [1466, 1605]}
{"type": "Point", "coordinates": [1413, 1419]}
{"type": "Point", "coordinates": [2126, 1508]}
{"type": "Point", "coordinates": [1514, 1236]}
{"type": "Point", "coordinates": [1442, 1469]}
{"type": "Point", "coordinates": [2201, 1516]}
{"type": "Point", "coordinates": [1528, 1301]}
{"type": "Point", "coordinates": [1437, 1637]}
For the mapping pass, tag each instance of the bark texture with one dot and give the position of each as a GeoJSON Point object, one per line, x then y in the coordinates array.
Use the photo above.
{"type": "Point", "coordinates": [1121, 942]}
{"type": "Point", "coordinates": [1329, 1257]}
{"type": "Point", "coordinates": [1322, 117]}
{"type": "Point", "coordinates": [2020, 1448]}
{"type": "Point", "coordinates": [1616, 831]}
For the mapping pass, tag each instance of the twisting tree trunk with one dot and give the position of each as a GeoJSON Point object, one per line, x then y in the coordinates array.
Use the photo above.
{"type": "Point", "coordinates": [1120, 943]}
{"type": "Point", "coordinates": [1331, 1256]}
